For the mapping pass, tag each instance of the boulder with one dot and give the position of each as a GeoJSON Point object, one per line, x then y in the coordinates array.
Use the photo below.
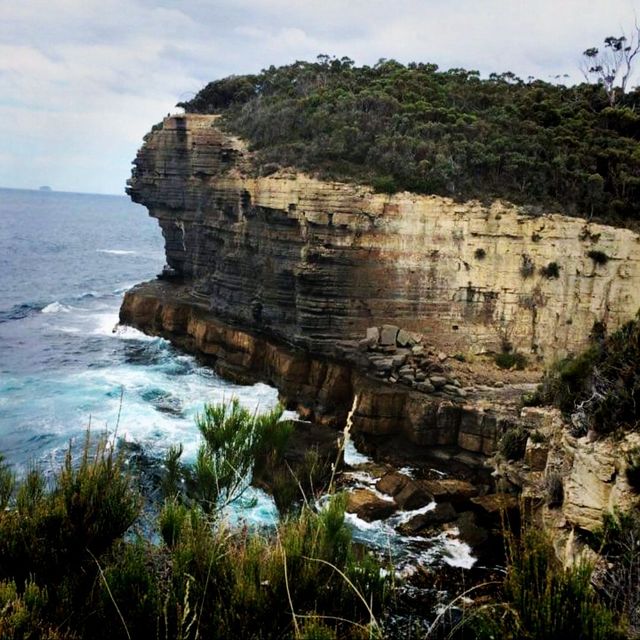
{"type": "Point", "coordinates": [413, 496]}
{"type": "Point", "coordinates": [450, 490]}
{"type": "Point", "coordinates": [443, 512]}
{"type": "Point", "coordinates": [404, 339]}
{"type": "Point", "coordinates": [368, 506]}
{"type": "Point", "coordinates": [399, 359]}
{"type": "Point", "coordinates": [373, 334]}
{"type": "Point", "coordinates": [494, 504]}
{"type": "Point", "coordinates": [470, 532]}
{"type": "Point", "coordinates": [438, 381]}
{"type": "Point", "coordinates": [392, 483]}
{"type": "Point", "coordinates": [388, 334]}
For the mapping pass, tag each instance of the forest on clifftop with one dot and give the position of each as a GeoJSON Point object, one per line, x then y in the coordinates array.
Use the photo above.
{"type": "Point", "coordinates": [451, 133]}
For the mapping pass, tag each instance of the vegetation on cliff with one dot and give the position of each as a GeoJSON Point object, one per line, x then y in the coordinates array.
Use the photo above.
{"type": "Point", "coordinates": [450, 132]}
{"type": "Point", "coordinates": [599, 389]}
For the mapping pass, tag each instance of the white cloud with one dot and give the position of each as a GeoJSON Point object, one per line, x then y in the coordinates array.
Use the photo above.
{"type": "Point", "coordinates": [81, 81]}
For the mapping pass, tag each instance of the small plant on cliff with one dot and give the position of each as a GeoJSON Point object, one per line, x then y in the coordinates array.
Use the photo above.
{"type": "Point", "coordinates": [513, 443]}
{"type": "Point", "coordinates": [480, 253]}
{"type": "Point", "coordinates": [598, 257]}
{"type": "Point", "coordinates": [550, 271]}
{"type": "Point", "coordinates": [527, 266]}
{"type": "Point", "coordinates": [599, 389]}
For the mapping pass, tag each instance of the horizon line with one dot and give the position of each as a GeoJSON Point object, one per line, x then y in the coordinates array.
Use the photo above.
{"type": "Point", "coordinates": [52, 190]}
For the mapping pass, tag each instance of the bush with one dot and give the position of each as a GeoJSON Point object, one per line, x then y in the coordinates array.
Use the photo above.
{"type": "Point", "coordinates": [235, 443]}
{"type": "Point", "coordinates": [543, 601]}
{"type": "Point", "coordinates": [599, 257]}
{"type": "Point", "coordinates": [527, 267]}
{"type": "Point", "coordinates": [47, 534]}
{"type": "Point", "coordinates": [600, 387]}
{"type": "Point", "coordinates": [511, 360]}
{"type": "Point", "coordinates": [551, 271]}
{"type": "Point", "coordinates": [480, 253]}
{"type": "Point", "coordinates": [513, 443]}
{"type": "Point", "coordinates": [617, 542]}
{"type": "Point", "coordinates": [551, 602]}
{"type": "Point", "coordinates": [384, 184]}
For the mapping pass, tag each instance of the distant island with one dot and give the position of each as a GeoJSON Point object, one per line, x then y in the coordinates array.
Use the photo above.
{"type": "Point", "coordinates": [45, 188]}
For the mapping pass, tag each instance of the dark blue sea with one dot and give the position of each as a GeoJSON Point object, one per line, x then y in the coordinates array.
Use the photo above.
{"type": "Point", "coordinates": [65, 262]}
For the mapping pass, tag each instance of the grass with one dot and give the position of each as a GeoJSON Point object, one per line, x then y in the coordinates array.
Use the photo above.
{"type": "Point", "coordinates": [541, 600]}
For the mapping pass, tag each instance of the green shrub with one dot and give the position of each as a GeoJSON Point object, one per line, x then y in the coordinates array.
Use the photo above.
{"type": "Point", "coordinates": [235, 444]}
{"type": "Point", "coordinates": [599, 257]}
{"type": "Point", "coordinates": [541, 600]}
{"type": "Point", "coordinates": [511, 360]}
{"type": "Point", "coordinates": [48, 533]}
{"type": "Point", "coordinates": [513, 443]}
{"type": "Point", "coordinates": [603, 382]}
{"type": "Point", "coordinates": [617, 542]}
{"type": "Point", "coordinates": [384, 184]}
{"type": "Point", "coordinates": [550, 271]}
{"type": "Point", "coordinates": [527, 267]}
{"type": "Point", "coordinates": [551, 602]}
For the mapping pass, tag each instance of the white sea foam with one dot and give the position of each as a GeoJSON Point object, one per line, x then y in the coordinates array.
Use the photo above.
{"type": "Point", "coordinates": [404, 516]}
{"type": "Point", "coordinates": [353, 457]}
{"type": "Point", "coordinates": [56, 307]}
{"type": "Point", "coordinates": [117, 252]}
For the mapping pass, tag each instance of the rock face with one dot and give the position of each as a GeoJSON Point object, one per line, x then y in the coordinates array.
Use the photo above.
{"type": "Point", "coordinates": [316, 263]}
{"type": "Point", "coordinates": [329, 291]}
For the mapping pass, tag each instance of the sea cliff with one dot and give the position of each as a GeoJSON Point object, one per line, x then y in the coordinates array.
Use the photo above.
{"type": "Point", "coordinates": [329, 290]}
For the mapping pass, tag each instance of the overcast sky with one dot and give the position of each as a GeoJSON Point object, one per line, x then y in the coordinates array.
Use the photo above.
{"type": "Point", "coordinates": [81, 81]}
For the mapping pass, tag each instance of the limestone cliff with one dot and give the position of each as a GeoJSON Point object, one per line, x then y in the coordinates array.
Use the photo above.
{"type": "Point", "coordinates": [281, 276]}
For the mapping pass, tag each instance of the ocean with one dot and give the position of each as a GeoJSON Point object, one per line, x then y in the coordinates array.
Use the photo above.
{"type": "Point", "coordinates": [66, 260]}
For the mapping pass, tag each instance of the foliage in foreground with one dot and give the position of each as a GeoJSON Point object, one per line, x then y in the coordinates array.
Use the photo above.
{"type": "Point", "coordinates": [71, 566]}
{"type": "Point", "coordinates": [600, 388]}
{"type": "Point", "coordinates": [451, 133]}
{"type": "Point", "coordinates": [541, 600]}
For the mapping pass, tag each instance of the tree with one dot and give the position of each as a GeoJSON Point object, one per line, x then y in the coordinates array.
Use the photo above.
{"type": "Point", "coordinates": [613, 65]}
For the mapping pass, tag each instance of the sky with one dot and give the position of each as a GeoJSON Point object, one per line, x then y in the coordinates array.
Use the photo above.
{"type": "Point", "coordinates": [81, 81]}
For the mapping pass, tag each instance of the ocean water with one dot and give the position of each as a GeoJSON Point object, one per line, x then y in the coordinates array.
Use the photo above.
{"type": "Point", "coordinates": [65, 262]}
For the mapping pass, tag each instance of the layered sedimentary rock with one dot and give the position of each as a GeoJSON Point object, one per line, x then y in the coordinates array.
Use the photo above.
{"type": "Point", "coordinates": [315, 263]}
{"type": "Point", "coordinates": [288, 278]}
{"type": "Point", "coordinates": [320, 388]}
